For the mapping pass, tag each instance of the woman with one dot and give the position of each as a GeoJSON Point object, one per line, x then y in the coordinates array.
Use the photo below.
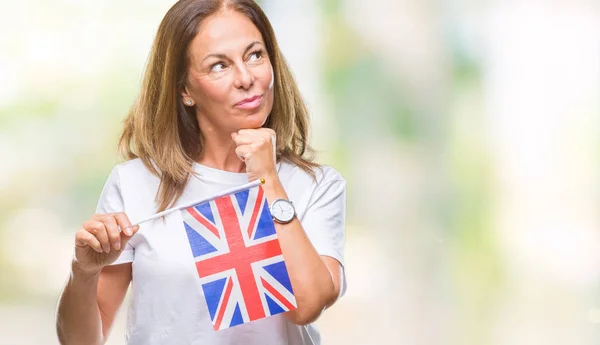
{"type": "Point", "coordinates": [218, 108]}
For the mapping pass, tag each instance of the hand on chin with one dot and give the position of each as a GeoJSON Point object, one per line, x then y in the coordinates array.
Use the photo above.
{"type": "Point", "coordinates": [256, 148]}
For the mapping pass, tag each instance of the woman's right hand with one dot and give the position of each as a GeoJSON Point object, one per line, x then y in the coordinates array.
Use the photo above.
{"type": "Point", "coordinates": [99, 242]}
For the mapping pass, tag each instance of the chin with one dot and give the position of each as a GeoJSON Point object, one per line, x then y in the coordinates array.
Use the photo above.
{"type": "Point", "coordinates": [254, 120]}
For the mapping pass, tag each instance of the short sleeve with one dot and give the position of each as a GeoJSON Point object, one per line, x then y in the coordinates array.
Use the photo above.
{"type": "Point", "coordinates": [325, 221]}
{"type": "Point", "coordinates": [111, 201]}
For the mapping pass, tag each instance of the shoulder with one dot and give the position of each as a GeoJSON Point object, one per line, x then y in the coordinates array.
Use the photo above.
{"type": "Point", "coordinates": [135, 179]}
{"type": "Point", "coordinates": [131, 167]}
{"type": "Point", "coordinates": [305, 190]}
{"type": "Point", "coordinates": [320, 201]}
{"type": "Point", "coordinates": [323, 174]}
{"type": "Point", "coordinates": [133, 172]}
{"type": "Point", "coordinates": [112, 198]}
{"type": "Point", "coordinates": [134, 186]}
{"type": "Point", "coordinates": [327, 174]}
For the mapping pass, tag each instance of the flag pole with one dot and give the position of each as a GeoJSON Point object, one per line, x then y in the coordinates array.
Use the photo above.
{"type": "Point", "coordinates": [216, 196]}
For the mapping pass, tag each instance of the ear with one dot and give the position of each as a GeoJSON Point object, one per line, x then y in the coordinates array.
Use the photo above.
{"type": "Point", "coordinates": [185, 93]}
{"type": "Point", "coordinates": [186, 97]}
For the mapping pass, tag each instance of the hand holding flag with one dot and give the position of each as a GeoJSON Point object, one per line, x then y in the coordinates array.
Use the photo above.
{"type": "Point", "coordinates": [94, 240]}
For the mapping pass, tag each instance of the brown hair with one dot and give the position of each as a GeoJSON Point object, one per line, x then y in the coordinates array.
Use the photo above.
{"type": "Point", "coordinates": [165, 134]}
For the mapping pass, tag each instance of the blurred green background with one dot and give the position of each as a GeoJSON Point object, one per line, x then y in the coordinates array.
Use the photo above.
{"type": "Point", "coordinates": [467, 131]}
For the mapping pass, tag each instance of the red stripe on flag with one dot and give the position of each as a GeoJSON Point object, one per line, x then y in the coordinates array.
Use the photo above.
{"type": "Point", "coordinates": [277, 295]}
{"type": "Point", "coordinates": [200, 218]}
{"type": "Point", "coordinates": [224, 304]}
{"type": "Point", "coordinates": [257, 205]}
{"type": "Point", "coordinates": [238, 258]}
{"type": "Point", "coordinates": [238, 250]}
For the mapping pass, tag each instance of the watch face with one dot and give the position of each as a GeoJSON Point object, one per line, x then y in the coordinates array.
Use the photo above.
{"type": "Point", "coordinates": [282, 210]}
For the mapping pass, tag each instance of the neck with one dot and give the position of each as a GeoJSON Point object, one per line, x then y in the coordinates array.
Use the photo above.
{"type": "Point", "coordinates": [219, 152]}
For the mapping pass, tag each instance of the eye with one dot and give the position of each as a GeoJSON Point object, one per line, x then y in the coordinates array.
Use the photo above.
{"type": "Point", "coordinates": [218, 67]}
{"type": "Point", "coordinates": [255, 56]}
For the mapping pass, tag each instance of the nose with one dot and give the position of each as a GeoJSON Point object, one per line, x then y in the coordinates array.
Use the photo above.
{"type": "Point", "coordinates": [243, 78]}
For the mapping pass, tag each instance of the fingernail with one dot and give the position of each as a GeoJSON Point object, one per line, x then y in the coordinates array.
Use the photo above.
{"type": "Point", "coordinates": [107, 250]}
{"type": "Point", "coordinates": [128, 231]}
{"type": "Point", "coordinates": [118, 246]}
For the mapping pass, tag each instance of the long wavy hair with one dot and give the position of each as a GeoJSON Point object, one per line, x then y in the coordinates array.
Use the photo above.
{"type": "Point", "coordinates": [165, 134]}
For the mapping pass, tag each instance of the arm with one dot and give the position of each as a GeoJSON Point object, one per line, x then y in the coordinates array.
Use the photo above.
{"type": "Point", "coordinates": [94, 290]}
{"type": "Point", "coordinates": [316, 279]}
{"type": "Point", "coordinates": [89, 303]}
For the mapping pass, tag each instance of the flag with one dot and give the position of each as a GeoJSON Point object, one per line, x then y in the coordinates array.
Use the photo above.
{"type": "Point", "coordinates": [238, 258]}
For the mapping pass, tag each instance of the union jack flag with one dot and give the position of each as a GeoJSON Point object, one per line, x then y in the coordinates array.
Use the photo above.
{"type": "Point", "coordinates": [238, 258]}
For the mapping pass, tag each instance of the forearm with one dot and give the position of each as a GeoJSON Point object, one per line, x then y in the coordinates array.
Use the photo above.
{"type": "Point", "coordinates": [311, 279]}
{"type": "Point", "coordinates": [78, 318]}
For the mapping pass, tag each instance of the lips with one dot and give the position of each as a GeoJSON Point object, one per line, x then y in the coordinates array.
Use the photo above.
{"type": "Point", "coordinates": [248, 100]}
{"type": "Point", "coordinates": [250, 103]}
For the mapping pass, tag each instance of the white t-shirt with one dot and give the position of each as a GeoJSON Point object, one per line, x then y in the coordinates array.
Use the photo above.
{"type": "Point", "coordinates": [167, 305]}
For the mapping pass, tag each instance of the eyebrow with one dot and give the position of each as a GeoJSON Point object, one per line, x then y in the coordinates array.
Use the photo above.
{"type": "Point", "coordinates": [223, 56]}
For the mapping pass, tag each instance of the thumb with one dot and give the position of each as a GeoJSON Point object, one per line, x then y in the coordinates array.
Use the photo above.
{"type": "Point", "coordinates": [125, 237]}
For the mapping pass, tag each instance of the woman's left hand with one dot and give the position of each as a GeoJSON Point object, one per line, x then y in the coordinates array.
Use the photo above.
{"type": "Point", "coordinates": [256, 147]}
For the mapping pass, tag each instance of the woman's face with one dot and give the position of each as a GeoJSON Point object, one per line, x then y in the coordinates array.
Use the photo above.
{"type": "Point", "coordinates": [230, 75]}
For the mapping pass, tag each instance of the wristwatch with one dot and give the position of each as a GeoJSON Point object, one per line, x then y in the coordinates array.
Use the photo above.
{"type": "Point", "coordinates": [282, 211]}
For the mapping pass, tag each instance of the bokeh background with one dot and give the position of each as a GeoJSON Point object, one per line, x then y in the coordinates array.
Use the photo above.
{"type": "Point", "coordinates": [468, 132]}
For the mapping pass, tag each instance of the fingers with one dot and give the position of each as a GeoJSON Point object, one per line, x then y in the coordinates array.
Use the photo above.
{"type": "Point", "coordinates": [257, 148]}
{"type": "Point", "coordinates": [124, 223]}
{"type": "Point", "coordinates": [248, 136]}
{"type": "Point", "coordinates": [267, 131]}
{"type": "Point", "coordinates": [112, 231]}
{"type": "Point", "coordinates": [242, 139]}
{"type": "Point", "coordinates": [251, 140]}
{"type": "Point", "coordinates": [243, 151]}
{"type": "Point", "coordinates": [84, 238]}
{"type": "Point", "coordinates": [97, 229]}
{"type": "Point", "coordinates": [103, 232]}
{"type": "Point", "coordinates": [127, 229]}
{"type": "Point", "coordinates": [245, 138]}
